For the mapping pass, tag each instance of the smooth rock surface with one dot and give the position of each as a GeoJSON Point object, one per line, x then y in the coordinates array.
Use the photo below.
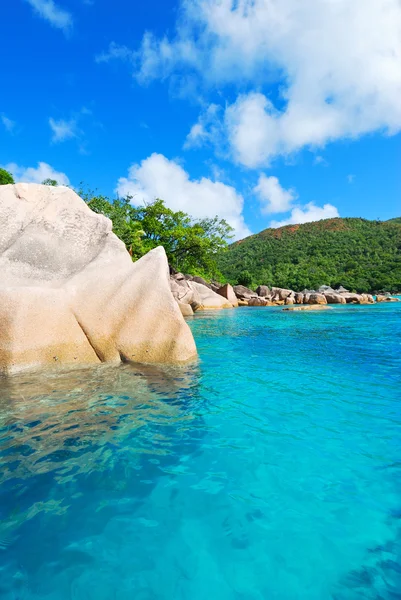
{"type": "Point", "coordinates": [263, 291]}
{"type": "Point", "coordinates": [334, 298]}
{"type": "Point", "coordinates": [316, 299]}
{"type": "Point", "coordinates": [258, 302]}
{"type": "Point", "coordinates": [244, 293]}
{"type": "Point", "coordinates": [209, 298]}
{"type": "Point", "coordinates": [186, 309]}
{"type": "Point", "coordinates": [70, 293]}
{"type": "Point", "coordinates": [227, 292]}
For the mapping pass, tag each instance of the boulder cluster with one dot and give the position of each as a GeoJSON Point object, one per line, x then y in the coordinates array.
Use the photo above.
{"type": "Point", "coordinates": [194, 293]}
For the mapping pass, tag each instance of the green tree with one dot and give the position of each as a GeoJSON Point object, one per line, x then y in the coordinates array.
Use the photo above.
{"type": "Point", "coordinates": [5, 177]}
{"type": "Point", "coordinates": [192, 246]}
{"type": "Point", "coordinates": [52, 182]}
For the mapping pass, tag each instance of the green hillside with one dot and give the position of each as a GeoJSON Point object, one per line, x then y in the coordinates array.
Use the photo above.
{"type": "Point", "coordinates": [361, 255]}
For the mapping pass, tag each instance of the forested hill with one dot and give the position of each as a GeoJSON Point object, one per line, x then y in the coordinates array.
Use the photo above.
{"type": "Point", "coordinates": [361, 255]}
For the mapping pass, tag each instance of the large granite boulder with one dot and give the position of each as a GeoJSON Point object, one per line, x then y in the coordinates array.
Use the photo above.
{"type": "Point", "coordinates": [70, 293]}
{"type": "Point", "coordinates": [244, 293]}
{"type": "Point", "coordinates": [263, 291]}
{"type": "Point", "coordinates": [316, 299]}
{"type": "Point", "coordinates": [209, 298]}
{"type": "Point", "coordinates": [227, 292]}
{"type": "Point", "coordinates": [281, 293]}
{"type": "Point", "coordinates": [334, 298]}
{"type": "Point", "coordinates": [351, 298]}
{"type": "Point", "coordinates": [184, 293]}
{"type": "Point", "coordinates": [258, 301]}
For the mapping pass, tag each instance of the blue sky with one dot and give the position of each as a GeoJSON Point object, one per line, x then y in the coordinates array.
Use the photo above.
{"type": "Point", "coordinates": [264, 112]}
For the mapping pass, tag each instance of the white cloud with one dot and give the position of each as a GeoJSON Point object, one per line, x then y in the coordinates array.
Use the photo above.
{"type": "Point", "coordinates": [308, 213]}
{"type": "Point", "coordinates": [115, 51]}
{"type": "Point", "coordinates": [54, 14]}
{"type": "Point", "coordinates": [8, 123]}
{"type": "Point", "coordinates": [159, 177]}
{"type": "Point", "coordinates": [273, 197]}
{"type": "Point", "coordinates": [63, 130]}
{"type": "Point", "coordinates": [337, 63]}
{"type": "Point", "coordinates": [31, 175]}
{"type": "Point", "coordinates": [205, 129]}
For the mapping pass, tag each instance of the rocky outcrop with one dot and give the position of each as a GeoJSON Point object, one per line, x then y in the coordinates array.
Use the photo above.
{"type": "Point", "coordinates": [227, 292]}
{"type": "Point", "coordinates": [258, 301]}
{"type": "Point", "coordinates": [317, 299]}
{"type": "Point", "coordinates": [184, 292]}
{"type": "Point", "coordinates": [280, 293]}
{"type": "Point", "coordinates": [334, 298]}
{"type": "Point", "coordinates": [385, 298]}
{"type": "Point", "coordinates": [70, 293]}
{"type": "Point", "coordinates": [186, 309]}
{"type": "Point", "coordinates": [263, 291]}
{"type": "Point", "coordinates": [244, 293]}
{"type": "Point", "coordinates": [208, 298]}
{"type": "Point", "coordinates": [357, 298]}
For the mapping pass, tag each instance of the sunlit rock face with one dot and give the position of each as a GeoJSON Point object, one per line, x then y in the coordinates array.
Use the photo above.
{"type": "Point", "coordinates": [70, 293]}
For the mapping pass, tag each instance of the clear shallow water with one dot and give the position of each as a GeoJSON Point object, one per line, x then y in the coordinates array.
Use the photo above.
{"type": "Point", "coordinates": [270, 470]}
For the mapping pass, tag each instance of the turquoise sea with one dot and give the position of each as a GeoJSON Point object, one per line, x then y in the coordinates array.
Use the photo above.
{"type": "Point", "coordinates": [270, 470]}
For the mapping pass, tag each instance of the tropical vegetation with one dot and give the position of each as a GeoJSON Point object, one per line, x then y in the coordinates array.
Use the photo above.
{"type": "Point", "coordinates": [191, 245]}
{"type": "Point", "coordinates": [361, 255]}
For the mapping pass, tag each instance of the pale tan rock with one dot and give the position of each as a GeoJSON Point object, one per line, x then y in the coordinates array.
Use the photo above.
{"type": "Point", "coordinates": [383, 298]}
{"type": "Point", "coordinates": [258, 302]}
{"type": "Point", "coordinates": [334, 298]}
{"type": "Point", "coordinates": [70, 292]}
{"type": "Point", "coordinates": [367, 299]}
{"type": "Point", "coordinates": [186, 309]}
{"type": "Point", "coordinates": [317, 299]}
{"type": "Point", "coordinates": [299, 298]}
{"type": "Point", "coordinates": [351, 298]}
{"type": "Point", "coordinates": [242, 302]}
{"type": "Point", "coordinates": [208, 298]}
{"type": "Point", "coordinates": [228, 293]}
{"type": "Point", "coordinates": [281, 293]}
{"type": "Point", "coordinates": [184, 293]}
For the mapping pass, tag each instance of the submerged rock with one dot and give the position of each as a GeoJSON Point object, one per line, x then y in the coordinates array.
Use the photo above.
{"type": "Point", "coordinates": [70, 293]}
{"type": "Point", "coordinates": [385, 298]}
{"type": "Point", "coordinates": [309, 307]}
